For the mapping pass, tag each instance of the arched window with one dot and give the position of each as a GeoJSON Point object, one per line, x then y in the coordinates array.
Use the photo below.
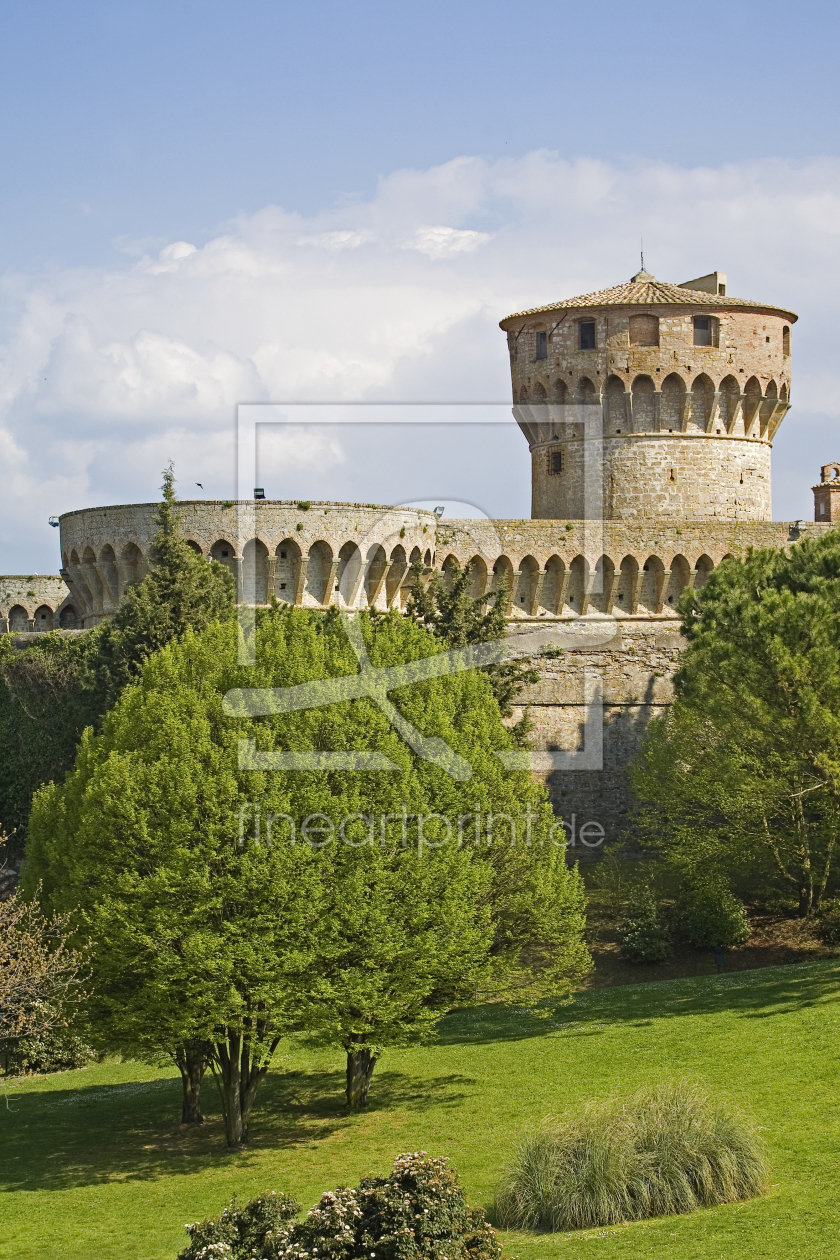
{"type": "Point", "coordinates": [503, 575]}
{"type": "Point", "coordinates": [644, 330]}
{"type": "Point", "coordinates": [730, 394]}
{"type": "Point", "coordinates": [703, 568]}
{"type": "Point", "coordinates": [287, 555]}
{"type": "Point", "coordinates": [559, 392]}
{"type": "Point", "coordinates": [585, 392]}
{"type": "Point", "coordinates": [448, 568]}
{"type": "Point", "coordinates": [132, 563]}
{"type": "Point", "coordinates": [786, 340]}
{"type": "Point", "coordinates": [771, 395]}
{"type": "Point", "coordinates": [643, 405]}
{"type": "Point", "coordinates": [578, 573]}
{"type": "Point", "coordinates": [628, 586]}
{"type": "Point", "coordinates": [255, 572]}
{"type": "Point", "coordinates": [552, 595]}
{"type": "Point", "coordinates": [603, 591]}
{"type": "Point", "coordinates": [673, 403]}
{"type": "Point", "coordinates": [318, 573]}
{"type": "Point", "coordinates": [702, 398]}
{"type": "Point", "coordinates": [375, 571]}
{"type": "Point", "coordinates": [752, 402]}
{"type": "Point", "coordinates": [225, 553]}
{"type": "Point", "coordinates": [397, 570]}
{"type": "Point", "coordinates": [43, 618]}
{"type": "Point", "coordinates": [616, 409]}
{"type": "Point", "coordinates": [348, 576]}
{"type": "Point", "coordinates": [18, 619]}
{"type": "Point", "coordinates": [68, 618]}
{"type": "Point", "coordinates": [680, 574]}
{"type": "Point", "coordinates": [650, 595]}
{"type": "Point", "coordinates": [528, 571]}
{"type": "Point", "coordinates": [478, 577]}
{"type": "Point", "coordinates": [538, 395]}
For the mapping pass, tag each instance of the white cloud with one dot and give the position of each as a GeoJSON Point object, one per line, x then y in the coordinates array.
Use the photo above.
{"type": "Point", "coordinates": [442, 242]}
{"type": "Point", "coordinates": [109, 372]}
{"type": "Point", "coordinates": [338, 240]}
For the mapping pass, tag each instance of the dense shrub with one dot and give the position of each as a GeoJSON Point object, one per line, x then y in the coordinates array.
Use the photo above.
{"type": "Point", "coordinates": [240, 1233]}
{"type": "Point", "coordinates": [643, 936]}
{"type": "Point", "coordinates": [711, 916]}
{"type": "Point", "coordinates": [57, 1050]}
{"type": "Point", "coordinates": [828, 924]}
{"type": "Point", "coordinates": [667, 1150]}
{"type": "Point", "coordinates": [418, 1212]}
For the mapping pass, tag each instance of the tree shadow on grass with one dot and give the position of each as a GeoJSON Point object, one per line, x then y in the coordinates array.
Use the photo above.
{"type": "Point", "coordinates": [760, 994]}
{"type": "Point", "coordinates": [65, 1138]}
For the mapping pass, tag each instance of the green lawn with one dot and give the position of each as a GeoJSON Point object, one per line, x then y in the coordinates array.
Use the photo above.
{"type": "Point", "coordinates": [96, 1166]}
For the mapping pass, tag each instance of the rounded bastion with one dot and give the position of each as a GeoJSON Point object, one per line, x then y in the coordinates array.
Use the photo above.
{"type": "Point", "coordinates": [313, 555]}
{"type": "Point", "coordinates": [651, 400]}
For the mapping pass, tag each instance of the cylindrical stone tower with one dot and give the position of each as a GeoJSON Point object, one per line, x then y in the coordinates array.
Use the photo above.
{"type": "Point", "coordinates": [686, 388]}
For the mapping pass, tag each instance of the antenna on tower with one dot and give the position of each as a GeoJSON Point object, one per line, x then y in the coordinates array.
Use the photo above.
{"type": "Point", "coordinates": [642, 243]}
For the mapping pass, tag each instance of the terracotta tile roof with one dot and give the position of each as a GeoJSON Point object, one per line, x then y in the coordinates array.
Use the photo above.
{"type": "Point", "coordinates": [644, 289]}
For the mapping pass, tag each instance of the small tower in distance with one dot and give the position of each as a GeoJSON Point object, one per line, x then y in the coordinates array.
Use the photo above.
{"type": "Point", "coordinates": [691, 384]}
{"type": "Point", "coordinates": [827, 495]}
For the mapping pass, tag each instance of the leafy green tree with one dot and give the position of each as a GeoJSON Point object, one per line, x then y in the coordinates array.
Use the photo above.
{"type": "Point", "coordinates": [54, 689]}
{"type": "Point", "coordinates": [234, 906]}
{"type": "Point", "coordinates": [742, 775]}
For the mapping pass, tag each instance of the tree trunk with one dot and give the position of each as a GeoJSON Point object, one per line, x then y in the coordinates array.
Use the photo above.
{"type": "Point", "coordinates": [360, 1065]}
{"type": "Point", "coordinates": [192, 1059]}
{"type": "Point", "coordinates": [238, 1079]}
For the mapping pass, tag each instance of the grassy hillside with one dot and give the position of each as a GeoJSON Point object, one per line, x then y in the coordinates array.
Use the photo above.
{"type": "Point", "coordinates": [96, 1166]}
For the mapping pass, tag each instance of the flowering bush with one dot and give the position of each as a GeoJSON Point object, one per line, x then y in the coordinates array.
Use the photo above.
{"type": "Point", "coordinates": [417, 1213]}
{"type": "Point", "coordinates": [245, 1233]}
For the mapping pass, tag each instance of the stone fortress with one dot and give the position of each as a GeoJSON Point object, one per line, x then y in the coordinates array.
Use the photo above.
{"type": "Point", "coordinates": [649, 409]}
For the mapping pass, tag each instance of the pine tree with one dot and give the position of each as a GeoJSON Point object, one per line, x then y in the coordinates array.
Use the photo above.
{"type": "Point", "coordinates": [741, 777]}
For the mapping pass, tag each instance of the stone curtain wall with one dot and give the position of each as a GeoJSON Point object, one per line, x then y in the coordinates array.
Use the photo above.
{"type": "Point", "coordinates": [636, 669]}
{"type": "Point", "coordinates": [34, 603]}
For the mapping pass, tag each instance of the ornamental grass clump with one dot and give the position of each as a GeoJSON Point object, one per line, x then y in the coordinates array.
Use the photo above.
{"type": "Point", "coordinates": [667, 1150]}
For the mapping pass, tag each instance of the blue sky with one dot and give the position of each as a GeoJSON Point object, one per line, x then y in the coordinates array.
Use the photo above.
{"type": "Point", "coordinates": [210, 202]}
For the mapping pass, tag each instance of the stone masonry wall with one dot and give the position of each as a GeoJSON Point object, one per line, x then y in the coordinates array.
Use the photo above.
{"type": "Point", "coordinates": [32, 604]}
{"type": "Point", "coordinates": [686, 429]}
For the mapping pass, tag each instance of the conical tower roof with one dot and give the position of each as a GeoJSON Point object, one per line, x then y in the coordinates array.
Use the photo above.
{"type": "Point", "coordinates": [645, 290]}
